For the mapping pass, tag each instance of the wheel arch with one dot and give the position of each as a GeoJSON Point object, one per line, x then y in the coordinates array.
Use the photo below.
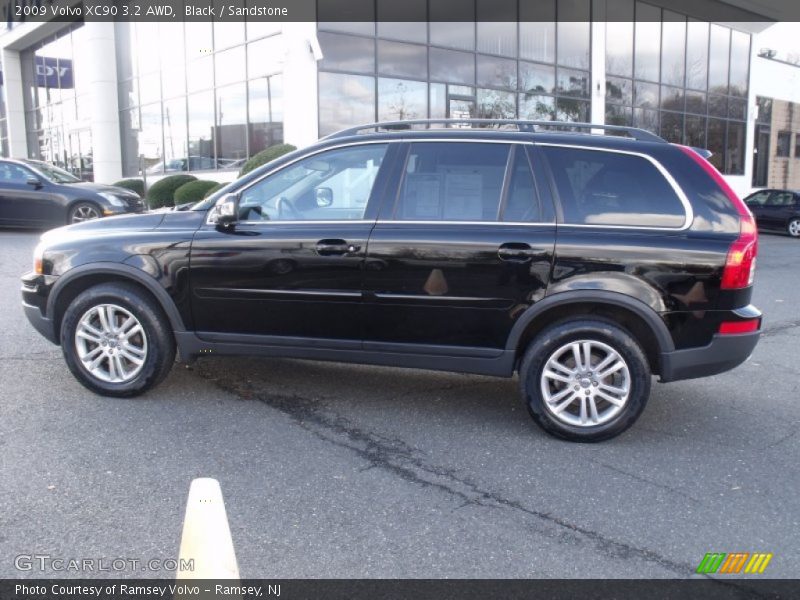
{"type": "Point", "coordinates": [75, 281]}
{"type": "Point", "coordinates": [638, 318]}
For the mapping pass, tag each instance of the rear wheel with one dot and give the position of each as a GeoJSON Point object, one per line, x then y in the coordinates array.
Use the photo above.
{"type": "Point", "coordinates": [83, 211]}
{"type": "Point", "coordinates": [586, 380]}
{"type": "Point", "coordinates": [793, 227]}
{"type": "Point", "coordinates": [116, 340]}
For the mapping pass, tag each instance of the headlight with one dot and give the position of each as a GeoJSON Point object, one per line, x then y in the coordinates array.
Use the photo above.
{"type": "Point", "coordinates": [38, 254]}
{"type": "Point", "coordinates": [113, 200]}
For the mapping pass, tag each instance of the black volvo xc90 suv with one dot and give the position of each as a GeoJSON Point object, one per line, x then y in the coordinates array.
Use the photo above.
{"type": "Point", "coordinates": [585, 263]}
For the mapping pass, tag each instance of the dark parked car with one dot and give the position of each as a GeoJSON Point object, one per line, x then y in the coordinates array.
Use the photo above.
{"type": "Point", "coordinates": [778, 210]}
{"type": "Point", "coordinates": [36, 194]}
{"type": "Point", "coordinates": [586, 263]}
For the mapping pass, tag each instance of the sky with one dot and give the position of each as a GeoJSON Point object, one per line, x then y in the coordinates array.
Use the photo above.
{"type": "Point", "coordinates": [782, 37]}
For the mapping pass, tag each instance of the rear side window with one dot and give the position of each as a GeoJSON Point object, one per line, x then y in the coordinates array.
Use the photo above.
{"type": "Point", "coordinates": [597, 187]}
{"type": "Point", "coordinates": [10, 173]}
{"type": "Point", "coordinates": [452, 181]}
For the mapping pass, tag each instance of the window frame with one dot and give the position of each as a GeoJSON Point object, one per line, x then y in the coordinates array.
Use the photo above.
{"type": "Point", "coordinates": [371, 201]}
{"type": "Point", "coordinates": [684, 200]}
{"type": "Point", "coordinates": [389, 209]}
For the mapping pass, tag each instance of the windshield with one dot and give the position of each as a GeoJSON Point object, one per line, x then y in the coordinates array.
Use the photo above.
{"type": "Point", "coordinates": [54, 174]}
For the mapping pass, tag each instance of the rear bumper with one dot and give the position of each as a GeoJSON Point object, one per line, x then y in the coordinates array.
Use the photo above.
{"type": "Point", "coordinates": [724, 353]}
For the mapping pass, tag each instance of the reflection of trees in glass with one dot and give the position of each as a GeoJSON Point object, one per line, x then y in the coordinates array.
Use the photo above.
{"type": "Point", "coordinates": [400, 108]}
{"type": "Point", "coordinates": [496, 105]}
{"type": "Point", "coordinates": [570, 109]}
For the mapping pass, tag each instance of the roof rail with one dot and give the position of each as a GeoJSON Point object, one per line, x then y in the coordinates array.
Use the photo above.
{"type": "Point", "coordinates": [521, 125]}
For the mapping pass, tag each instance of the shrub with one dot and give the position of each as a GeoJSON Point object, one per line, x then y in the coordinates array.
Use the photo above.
{"type": "Point", "coordinates": [136, 185]}
{"type": "Point", "coordinates": [265, 156]}
{"type": "Point", "coordinates": [162, 192]}
{"type": "Point", "coordinates": [210, 191]}
{"type": "Point", "coordinates": [194, 191]}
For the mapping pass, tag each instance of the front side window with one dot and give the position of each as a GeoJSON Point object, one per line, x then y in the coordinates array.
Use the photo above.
{"type": "Point", "coordinates": [611, 188]}
{"type": "Point", "coordinates": [758, 199]}
{"type": "Point", "coordinates": [329, 186]}
{"type": "Point", "coordinates": [452, 181]}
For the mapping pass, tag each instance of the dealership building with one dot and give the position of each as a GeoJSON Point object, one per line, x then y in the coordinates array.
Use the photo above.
{"type": "Point", "coordinates": [113, 100]}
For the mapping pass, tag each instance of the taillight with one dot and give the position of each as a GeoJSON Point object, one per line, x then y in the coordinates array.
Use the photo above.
{"type": "Point", "coordinates": [734, 327]}
{"type": "Point", "coordinates": [740, 264]}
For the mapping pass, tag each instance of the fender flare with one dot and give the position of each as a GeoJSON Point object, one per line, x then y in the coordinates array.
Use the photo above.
{"type": "Point", "coordinates": [600, 297]}
{"type": "Point", "coordinates": [126, 272]}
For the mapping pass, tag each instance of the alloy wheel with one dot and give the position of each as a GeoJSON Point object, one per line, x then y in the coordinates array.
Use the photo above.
{"type": "Point", "coordinates": [111, 343]}
{"type": "Point", "coordinates": [85, 212]}
{"type": "Point", "coordinates": [585, 383]}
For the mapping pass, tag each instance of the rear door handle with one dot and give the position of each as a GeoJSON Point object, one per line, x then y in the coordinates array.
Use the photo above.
{"type": "Point", "coordinates": [336, 248]}
{"type": "Point", "coordinates": [516, 252]}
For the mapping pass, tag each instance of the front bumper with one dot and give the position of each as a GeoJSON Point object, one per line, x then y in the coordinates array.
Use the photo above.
{"type": "Point", "coordinates": [35, 289]}
{"type": "Point", "coordinates": [41, 323]}
{"type": "Point", "coordinates": [724, 353]}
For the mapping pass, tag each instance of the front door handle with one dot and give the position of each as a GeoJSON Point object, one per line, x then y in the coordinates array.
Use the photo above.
{"type": "Point", "coordinates": [336, 248]}
{"type": "Point", "coordinates": [515, 252]}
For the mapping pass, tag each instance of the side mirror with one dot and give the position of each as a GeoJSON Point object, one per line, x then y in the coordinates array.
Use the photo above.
{"type": "Point", "coordinates": [226, 211]}
{"type": "Point", "coordinates": [34, 182]}
{"type": "Point", "coordinates": [324, 196]}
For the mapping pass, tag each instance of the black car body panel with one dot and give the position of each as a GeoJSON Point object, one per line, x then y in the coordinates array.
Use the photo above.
{"type": "Point", "coordinates": [459, 296]}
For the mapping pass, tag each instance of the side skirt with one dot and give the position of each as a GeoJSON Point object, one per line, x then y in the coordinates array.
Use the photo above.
{"type": "Point", "coordinates": [478, 361]}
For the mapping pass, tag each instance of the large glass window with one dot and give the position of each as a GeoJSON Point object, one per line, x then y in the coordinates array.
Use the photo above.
{"type": "Point", "coordinates": [265, 100]}
{"type": "Point", "coordinates": [648, 42]}
{"type": "Point", "coordinates": [516, 59]}
{"type": "Point", "coordinates": [402, 60]}
{"type": "Point", "coordinates": [400, 99]}
{"type": "Point", "coordinates": [452, 66]}
{"type": "Point", "coordinates": [407, 20]}
{"type": "Point", "coordinates": [683, 72]}
{"type": "Point", "coordinates": [497, 27]}
{"type": "Point", "coordinates": [334, 112]}
{"type": "Point", "coordinates": [197, 95]}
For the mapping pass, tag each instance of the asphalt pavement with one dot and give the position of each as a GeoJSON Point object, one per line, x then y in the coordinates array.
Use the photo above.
{"type": "Point", "coordinates": [332, 470]}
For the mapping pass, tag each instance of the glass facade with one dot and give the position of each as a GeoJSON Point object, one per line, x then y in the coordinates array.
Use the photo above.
{"type": "Point", "coordinates": [686, 80]}
{"type": "Point", "coordinates": [57, 115]}
{"type": "Point", "coordinates": [197, 96]}
{"type": "Point", "coordinates": [521, 64]}
{"type": "Point", "coordinates": [209, 95]}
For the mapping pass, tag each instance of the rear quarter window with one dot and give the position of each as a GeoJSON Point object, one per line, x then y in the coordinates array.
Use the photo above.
{"type": "Point", "coordinates": [597, 187]}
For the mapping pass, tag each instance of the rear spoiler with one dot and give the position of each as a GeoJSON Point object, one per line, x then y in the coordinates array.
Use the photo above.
{"type": "Point", "coordinates": [704, 152]}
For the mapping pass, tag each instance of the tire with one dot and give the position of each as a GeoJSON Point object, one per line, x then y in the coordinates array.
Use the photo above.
{"type": "Point", "coordinates": [563, 408]}
{"type": "Point", "coordinates": [793, 227]}
{"type": "Point", "coordinates": [128, 364]}
{"type": "Point", "coordinates": [83, 211]}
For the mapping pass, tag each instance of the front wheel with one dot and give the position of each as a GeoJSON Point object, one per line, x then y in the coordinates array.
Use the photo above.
{"type": "Point", "coordinates": [586, 380]}
{"type": "Point", "coordinates": [793, 227]}
{"type": "Point", "coordinates": [116, 340]}
{"type": "Point", "coordinates": [83, 211]}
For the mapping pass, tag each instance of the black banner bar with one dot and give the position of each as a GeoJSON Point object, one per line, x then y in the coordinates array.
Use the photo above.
{"type": "Point", "coordinates": [408, 589]}
{"type": "Point", "coordinates": [371, 10]}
